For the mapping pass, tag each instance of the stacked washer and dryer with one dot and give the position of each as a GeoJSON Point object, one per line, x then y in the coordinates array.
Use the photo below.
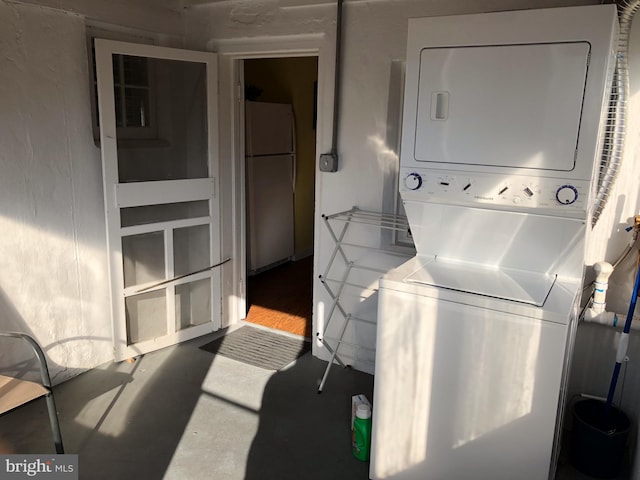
{"type": "Point", "coordinates": [502, 130]}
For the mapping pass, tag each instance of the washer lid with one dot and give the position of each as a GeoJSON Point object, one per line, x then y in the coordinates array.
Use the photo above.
{"type": "Point", "coordinates": [507, 284]}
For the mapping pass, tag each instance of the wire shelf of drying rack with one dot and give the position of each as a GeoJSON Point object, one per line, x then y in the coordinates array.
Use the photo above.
{"type": "Point", "coordinates": [335, 285]}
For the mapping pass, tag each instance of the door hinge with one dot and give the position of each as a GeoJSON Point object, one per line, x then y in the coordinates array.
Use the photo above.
{"type": "Point", "coordinates": [239, 93]}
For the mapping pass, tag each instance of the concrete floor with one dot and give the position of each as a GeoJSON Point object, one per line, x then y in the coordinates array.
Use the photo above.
{"type": "Point", "coordinates": [183, 413]}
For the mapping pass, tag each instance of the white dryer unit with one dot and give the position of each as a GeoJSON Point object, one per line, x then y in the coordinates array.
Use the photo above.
{"type": "Point", "coordinates": [502, 127]}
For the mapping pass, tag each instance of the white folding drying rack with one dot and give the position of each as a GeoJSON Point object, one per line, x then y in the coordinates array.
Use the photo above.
{"type": "Point", "coordinates": [335, 285]}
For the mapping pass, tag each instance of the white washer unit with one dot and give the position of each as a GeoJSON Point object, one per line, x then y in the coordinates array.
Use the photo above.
{"type": "Point", "coordinates": [502, 129]}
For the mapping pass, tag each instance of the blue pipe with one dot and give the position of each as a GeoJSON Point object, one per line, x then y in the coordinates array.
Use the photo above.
{"type": "Point", "coordinates": [622, 346]}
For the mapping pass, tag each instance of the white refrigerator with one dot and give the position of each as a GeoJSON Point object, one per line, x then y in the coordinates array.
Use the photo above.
{"type": "Point", "coordinates": [270, 166]}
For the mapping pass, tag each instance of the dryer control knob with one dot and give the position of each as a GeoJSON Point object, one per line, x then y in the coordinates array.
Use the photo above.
{"type": "Point", "coordinates": [567, 194]}
{"type": "Point", "coordinates": [413, 181]}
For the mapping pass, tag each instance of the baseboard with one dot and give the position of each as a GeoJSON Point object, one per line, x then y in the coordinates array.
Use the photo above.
{"type": "Point", "coordinates": [303, 254]}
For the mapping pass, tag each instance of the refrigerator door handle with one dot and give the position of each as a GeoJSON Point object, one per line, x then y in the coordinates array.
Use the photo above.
{"type": "Point", "coordinates": [293, 161]}
{"type": "Point", "coordinates": [293, 151]}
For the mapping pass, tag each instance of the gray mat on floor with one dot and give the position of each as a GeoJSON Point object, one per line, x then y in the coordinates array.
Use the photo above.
{"type": "Point", "coordinates": [257, 347]}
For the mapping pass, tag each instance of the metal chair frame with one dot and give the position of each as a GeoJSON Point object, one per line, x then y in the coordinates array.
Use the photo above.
{"type": "Point", "coordinates": [46, 391]}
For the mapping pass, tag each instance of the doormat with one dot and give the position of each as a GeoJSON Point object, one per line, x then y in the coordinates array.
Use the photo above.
{"type": "Point", "coordinates": [258, 347]}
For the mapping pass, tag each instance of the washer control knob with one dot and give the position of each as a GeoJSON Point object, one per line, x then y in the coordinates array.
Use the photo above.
{"type": "Point", "coordinates": [413, 181]}
{"type": "Point", "coordinates": [567, 194]}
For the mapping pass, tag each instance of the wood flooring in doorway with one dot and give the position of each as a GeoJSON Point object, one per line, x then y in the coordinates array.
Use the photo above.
{"type": "Point", "coordinates": [282, 297]}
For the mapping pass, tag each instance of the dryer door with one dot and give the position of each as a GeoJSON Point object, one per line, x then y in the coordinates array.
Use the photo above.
{"type": "Point", "coordinates": [513, 106]}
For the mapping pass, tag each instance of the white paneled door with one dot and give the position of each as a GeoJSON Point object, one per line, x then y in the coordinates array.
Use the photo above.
{"type": "Point", "coordinates": [158, 128]}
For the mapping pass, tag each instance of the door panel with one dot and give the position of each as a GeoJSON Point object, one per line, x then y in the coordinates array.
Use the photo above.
{"type": "Point", "coordinates": [158, 130]}
{"type": "Point", "coordinates": [143, 258]}
{"type": "Point", "coordinates": [143, 313]}
{"type": "Point", "coordinates": [193, 305]}
{"type": "Point", "coordinates": [166, 212]}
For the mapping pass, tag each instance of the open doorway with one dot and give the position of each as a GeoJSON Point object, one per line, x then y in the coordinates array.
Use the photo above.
{"type": "Point", "coordinates": [280, 187]}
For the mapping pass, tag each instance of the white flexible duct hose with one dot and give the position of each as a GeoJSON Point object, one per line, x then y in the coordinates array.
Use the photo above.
{"type": "Point", "coordinates": [615, 129]}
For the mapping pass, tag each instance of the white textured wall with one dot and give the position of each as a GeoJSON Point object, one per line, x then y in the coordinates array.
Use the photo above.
{"type": "Point", "coordinates": [53, 271]}
{"type": "Point", "coordinates": [158, 16]}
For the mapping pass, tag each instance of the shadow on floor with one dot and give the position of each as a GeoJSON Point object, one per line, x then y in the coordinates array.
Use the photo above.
{"type": "Point", "coordinates": [144, 442]}
{"type": "Point", "coordinates": [124, 420]}
{"type": "Point", "coordinates": [303, 434]}
{"type": "Point", "coordinates": [183, 412]}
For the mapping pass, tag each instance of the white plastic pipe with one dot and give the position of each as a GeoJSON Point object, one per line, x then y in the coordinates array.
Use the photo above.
{"type": "Point", "coordinates": [610, 319]}
{"type": "Point", "coordinates": [603, 271]}
{"type": "Point", "coordinates": [597, 312]}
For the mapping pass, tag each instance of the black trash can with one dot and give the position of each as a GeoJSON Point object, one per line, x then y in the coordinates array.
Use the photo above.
{"type": "Point", "coordinates": [598, 440]}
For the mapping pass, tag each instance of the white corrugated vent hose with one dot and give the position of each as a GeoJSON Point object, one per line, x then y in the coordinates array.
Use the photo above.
{"type": "Point", "coordinates": [615, 129]}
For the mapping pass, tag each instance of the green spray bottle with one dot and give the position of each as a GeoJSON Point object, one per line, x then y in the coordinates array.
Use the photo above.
{"type": "Point", "coordinates": [361, 435]}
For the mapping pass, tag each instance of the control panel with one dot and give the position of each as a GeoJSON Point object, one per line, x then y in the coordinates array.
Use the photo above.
{"type": "Point", "coordinates": [457, 187]}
